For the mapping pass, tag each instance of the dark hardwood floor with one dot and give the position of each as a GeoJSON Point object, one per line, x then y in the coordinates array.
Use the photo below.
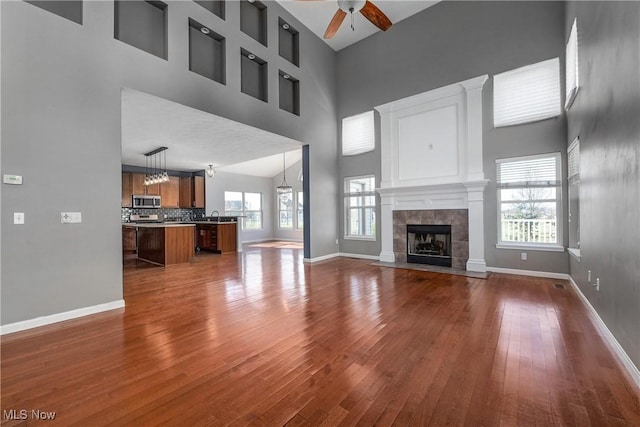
{"type": "Point", "coordinates": [260, 338]}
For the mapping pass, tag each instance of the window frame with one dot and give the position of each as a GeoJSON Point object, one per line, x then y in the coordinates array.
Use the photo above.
{"type": "Point", "coordinates": [299, 210]}
{"type": "Point", "coordinates": [279, 204]}
{"type": "Point", "coordinates": [558, 246]}
{"type": "Point", "coordinates": [244, 211]}
{"type": "Point", "coordinates": [347, 214]}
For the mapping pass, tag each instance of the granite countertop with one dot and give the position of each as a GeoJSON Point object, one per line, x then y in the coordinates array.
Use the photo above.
{"type": "Point", "coordinates": [159, 224]}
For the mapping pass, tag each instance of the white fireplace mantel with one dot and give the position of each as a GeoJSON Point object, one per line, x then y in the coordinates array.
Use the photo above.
{"type": "Point", "coordinates": [431, 148]}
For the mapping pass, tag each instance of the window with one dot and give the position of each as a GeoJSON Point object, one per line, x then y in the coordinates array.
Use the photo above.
{"type": "Point", "coordinates": [527, 94]}
{"type": "Point", "coordinates": [358, 135]}
{"type": "Point", "coordinates": [247, 205]}
{"type": "Point", "coordinates": [360, 207]}
{"type": "Point", "coordinates": [572, 82]}
{"type": "Point", "coordinates": [300, 198]}
{"type": "Point", "coordinates": [529, 191]}
{"type": "Point", "coordinates": [573, 161]}
{"type": "Point", "coordinates": [285, 210]}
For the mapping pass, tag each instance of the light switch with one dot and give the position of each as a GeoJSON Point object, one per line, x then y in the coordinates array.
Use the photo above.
{"type": "Point", "coordinates": [18, 217]}
{"type": "Point", "coordinates": [70, 217]}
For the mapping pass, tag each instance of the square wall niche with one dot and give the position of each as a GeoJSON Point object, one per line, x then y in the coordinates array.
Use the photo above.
{"type": "Point", "coordinates": [289, 93]}
{"type": "Point", "coordinates": [69, 9]}
{"type": "Point", "coordinates": [142, 24]}
{"type": "Point", "coordinates": [253, 20]}
{"type": "Point", "coordinates": [206, 52]}
{"type": "Point", "coordinates": [288, 46]}
{"type": "Point", "coordinates": [214, 6]}
{"type": "Point", "coordinates": [253, 75]}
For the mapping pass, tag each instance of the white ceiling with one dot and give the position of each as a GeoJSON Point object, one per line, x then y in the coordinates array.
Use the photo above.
{"type": "Point", "coordinates": [196, 139]}
{"type": "Point", "coordinates": [316, 15]}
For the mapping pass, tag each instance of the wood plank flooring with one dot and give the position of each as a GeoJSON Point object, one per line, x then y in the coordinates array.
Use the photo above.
{"type": "Point", "coordinates": [260, 338]}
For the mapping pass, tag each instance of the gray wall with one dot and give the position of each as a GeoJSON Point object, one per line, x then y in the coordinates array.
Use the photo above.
{"type": "Point", "coordinates": [61, 86]}
{"type": "Point", "coordinates": [447, 43]}
{"type": "Point", "coordinates": [605, 115]}
{"type": "Point", "coordinates": [224, 181]}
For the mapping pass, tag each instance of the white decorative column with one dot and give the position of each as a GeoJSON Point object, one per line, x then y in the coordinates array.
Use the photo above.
{"type": "Point", "coordinates": [386, 231]}
{"type": "Point", "coordinates": [475, 204]}
{"type": "Point", "coordinates": [473, 88]}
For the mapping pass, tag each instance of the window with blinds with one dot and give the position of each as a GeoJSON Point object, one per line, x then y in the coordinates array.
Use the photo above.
{"type": "Point", "coordinates": [529, 191]}
{"type": "Point", "coordinates": [572, 81]}
{"type": "Point", "coordinates": [527, 94]}
{"type": "Point", "coordinates": [360, 207]}
{"type": "Point", "coordinates": [358, 134]}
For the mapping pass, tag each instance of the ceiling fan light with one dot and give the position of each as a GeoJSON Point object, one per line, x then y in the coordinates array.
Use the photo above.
{"type": "Point", "coordinates": [351, 6]}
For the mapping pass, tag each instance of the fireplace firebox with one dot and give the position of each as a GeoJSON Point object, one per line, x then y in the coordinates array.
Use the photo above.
{"type": "Point", "coordinates": [429, 244]}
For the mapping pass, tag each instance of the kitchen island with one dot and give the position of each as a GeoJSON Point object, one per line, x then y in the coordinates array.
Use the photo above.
{"type": "Point", "coordinates": [165, 243]}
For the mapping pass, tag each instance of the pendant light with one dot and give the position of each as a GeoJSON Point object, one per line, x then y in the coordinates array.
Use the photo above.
{"type": "Point", "coordinates": [284, 188]}
{"type": "Point", "coordinates": [210, 172]}
{"type": "Point", "coordinates": [155, 173]}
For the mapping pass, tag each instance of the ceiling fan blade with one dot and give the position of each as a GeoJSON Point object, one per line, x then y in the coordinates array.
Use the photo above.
{"type": "Point", "coordinates": [375, 16]}
{"type": "Point", "coordinates": [337, 19]}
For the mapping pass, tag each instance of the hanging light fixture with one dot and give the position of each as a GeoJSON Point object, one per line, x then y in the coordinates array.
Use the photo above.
{"type": "Point", "coordinates": [155, 172]}
{"type": "Point", "coordinates": [210, 172]}
{"type": "Point", "coordinates": [284, 188]}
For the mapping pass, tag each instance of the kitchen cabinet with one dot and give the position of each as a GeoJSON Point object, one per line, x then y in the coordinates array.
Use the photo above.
{"type": "Point", "coordinates": [128, 239]}
{"type": "Point", "coordinates": [170, 192]}
{"type": "Point", "coordinates": [220, 237]}
{"type": "Point", "coordinates": [191, 192]}
{"type": "Point", "coordinates": [133, 183]}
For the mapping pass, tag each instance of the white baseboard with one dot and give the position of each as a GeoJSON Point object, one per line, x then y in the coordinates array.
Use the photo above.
{"type": "Point", "coordinates": [272, 239]}
{"type": "Point", "coordinates": [360, 256]}
{"type": "Point", "coordinates": [614, 345]}
{"type": "Point", "coordinates": [321, 258]}
{"type": "Point", "coordinates": [59, 317]}
{"type": "Point", "coordinates": [532, 273]}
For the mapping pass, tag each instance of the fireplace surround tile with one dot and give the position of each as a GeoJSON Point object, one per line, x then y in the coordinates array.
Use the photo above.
{"type": "Point", "coordinates": [457, 218]}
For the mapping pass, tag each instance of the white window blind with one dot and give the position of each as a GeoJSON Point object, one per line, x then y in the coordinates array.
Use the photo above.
{"type": "Point", "coordinates": [530, 172]}
{"type": "Point", "coordinates": [572, 81]}
{"type": "Point", "coordinates": [573, 161]}
{"type": "Point", "coordinates": [527, 94]}
{"type": "Point", "coordinates": [358, 135]}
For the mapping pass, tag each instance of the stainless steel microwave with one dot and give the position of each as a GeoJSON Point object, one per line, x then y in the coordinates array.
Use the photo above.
{"type": "Point", "coordinates": [145, 201]}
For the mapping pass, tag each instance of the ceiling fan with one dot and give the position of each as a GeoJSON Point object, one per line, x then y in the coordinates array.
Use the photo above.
{"type": "Point", "coordinates": [366, 8]}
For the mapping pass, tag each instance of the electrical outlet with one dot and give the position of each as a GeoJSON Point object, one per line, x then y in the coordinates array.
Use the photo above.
{"type": "Point", "coordinates": [588, 276]}
{"type": "Point", "coordinates": [523, 256]}
{"type": "Point", "coordinates": [18, 217]}
{"type": "Point", "coordinates": [598, 284]}
{"type": "Point", "coordinates": [337, 242]}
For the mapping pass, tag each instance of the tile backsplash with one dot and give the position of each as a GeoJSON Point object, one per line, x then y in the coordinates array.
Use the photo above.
{"type": "Point", "coordinates": [166, 214]}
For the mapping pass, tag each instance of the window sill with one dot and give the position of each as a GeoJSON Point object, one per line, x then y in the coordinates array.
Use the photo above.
{"type": "Point", "coordinates": [544, 248]}
{"type": "Point", "coordinates": [575, 253]}
{"type": "Point", "coordinates": [364, 238]}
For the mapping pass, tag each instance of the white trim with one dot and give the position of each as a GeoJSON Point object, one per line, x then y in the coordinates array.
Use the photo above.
{"type": "Point", "coordinates": [321, 258]}
{"type": "Point", "coordinates": [60, 317]}
{"type": "Point", "coordinates": [360, 256]}
{"type": "Point", "coordinates": [273, 239]}
{"type": "Point", "coordinates": [611, 340]}
{"type": "Point", "coordinates": [575, 253]}
{"type": "Point", "coordinates": [477, 265]}
{"type": "Point", "coordinates": [541, 247]}
{"type": "Point", "coordinates": [362, 238]}
{"type": "Point", "coordinates": [532, 273]}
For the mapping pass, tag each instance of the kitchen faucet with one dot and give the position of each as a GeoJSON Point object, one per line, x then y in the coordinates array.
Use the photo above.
{"type": "Point", "coordinates": [218, 215]}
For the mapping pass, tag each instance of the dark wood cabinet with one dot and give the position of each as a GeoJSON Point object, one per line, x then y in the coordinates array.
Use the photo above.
{"type": "Point", "coordinates": [217, 237]}
{"type": "Point", "coordinates": [129, 242]}
{"type": "Point", "coordinates": [133, 183]}
{"type": "Point", "coordinates": [170, 192]}
{"type": "Point", "coordinates": [191, 192]}
{"type": "Point", "coordinates": [127, 189]}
